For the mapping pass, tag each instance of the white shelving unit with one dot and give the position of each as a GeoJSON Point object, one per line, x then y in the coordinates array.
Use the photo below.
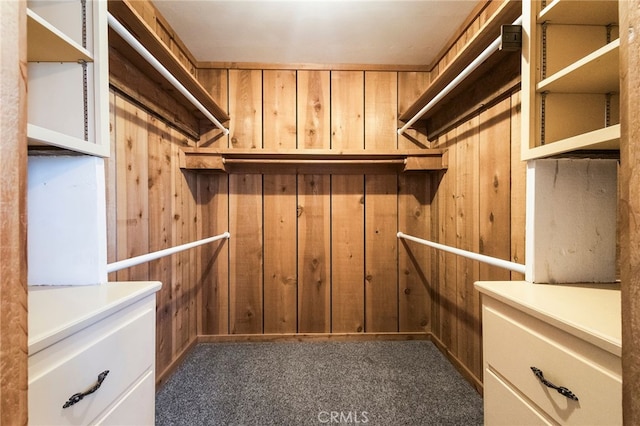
{"type": "Point", "coordinates": [67, 53]}
{"type": "Point", "coordinates": [68, 108]}
{"type": "Point", "coordinates": [570, 77]}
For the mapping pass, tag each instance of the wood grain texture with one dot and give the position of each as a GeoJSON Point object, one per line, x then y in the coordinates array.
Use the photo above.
{"type": "Point", "coordinates": [279, 104]}
{"type": "Point", "coordinates": [132, 176]}
{"type": "Point", "coordinates": [410, 86]}
{"type": "Point", "coordinates": [518, 188]}
{"type": "Point", "coordinates": [314, 254]}
{"type": "Point", "coordinates": [245, 108]}
{"type": "Point", "coordinates": [280, 254]}
{"type": "Point", "coordinates": [381, 259]}
{"type": "Point", "coordinates": [347, 254]}
{"type": "Point", "coordinates": [13, 211]}
{"type": "Point", "coordinates": [213, 203]}
{"type": "Point", "coordinates": [468, 238]}
{"type": "Point", "coordinates": [629, 206]}
{"type": "Point", "coordinates": [246, 251]}
{"type": "Point", "coordinates": [347, 110]}
{"type": "Point", "coordinates": [414, 260]}
{"type": "Point", "coordinates": [314, 109]}
{"type": "Point", "coordinates": [160, 231]}
{"type": "Point", "coordinates": [216, 83]}
{"type": "Point", "coordinates": [381, 110]}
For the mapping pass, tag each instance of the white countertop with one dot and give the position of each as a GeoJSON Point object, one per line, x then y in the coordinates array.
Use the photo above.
{"type": "Point", "coordinates": [591, 312]}
{"type": "Point", "coordinates": [56, 312]}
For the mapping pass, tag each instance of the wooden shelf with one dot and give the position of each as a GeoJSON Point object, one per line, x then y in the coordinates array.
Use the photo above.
{"type": "Point", "coordinates": [129, 17]}
{"type": "Point", "coordinates": [595, 73]}
{"type": "Point", "coordinates": [580, 12]}
{"type": "Point", "coordinates": [48, 44]}
{"type": "Point", "coordinates": [313, 161]}
{"type": "Point", "coordinates": [604, 139]}
{"type": "Point", "coordinates": [508, 12]}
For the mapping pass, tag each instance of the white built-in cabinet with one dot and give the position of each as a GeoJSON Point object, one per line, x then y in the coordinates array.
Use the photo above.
{"type": "Point", "coordinates": [68, 75]}
{"type": "Point", "coordinates": [570, 77]}
{"type": "Point", "coordinates": [68, 136]}
{"type": "Point", "coordinates": [571, 138]}
{"type": "Point", "coordinates": [91, 343]}
{"type": "Point", "coordinates": [564, 319]}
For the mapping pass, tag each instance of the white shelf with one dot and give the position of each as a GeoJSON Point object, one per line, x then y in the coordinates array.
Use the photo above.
{"type": "Point", "coordinates": [607, 138]}
{"type": "Point", "coordinates": [595, 73]}
{"type": "Point", "coordinates": [580, 12]}
{"type": "Point", "coordinates": [48, 44]}
{"type": "Point", "coordinates": [40, 136]}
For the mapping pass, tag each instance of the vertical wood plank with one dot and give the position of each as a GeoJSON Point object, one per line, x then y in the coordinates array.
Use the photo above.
{"type": "Point", "coordinates": [280, 206]}
{"type": "Point", "coordinates": [216, 82]}
{"type": "Point", "coordinates": [381, 110]}
{"type": "Point", "coordinates": [314, 254]}
{"type": "Point", "coordinates": [111, 187]}
{"type": "Point", "coordinates": [414, 260]}
{"type": "Point", "coordinates": [214, 216]}
{"type": "Point", "coordinates": [132, 210]}
{"type": "Point", "coordinates": [347, 254]}
{"type": "Point", "coordinates": [347, 206]}
{"type": "Point", "coordinates": [629, 207]}
{"type": "Point", "coordinates": [381, 227]}
{"type": "Point", "coordinates": [160, 227]}
{"type": "Point", "coordinates": [279, 104]}
{"type": "Point", "coordinates": [347, 110]}
{"type": "Point", "coordinates": [245, 252]}
{"type": "Point", "coordinates": [245, 108]}
{"type": "Point", "coordinates": [467, 330]}
{"type": "Point", "coordinates": [13, 214]}
{"type": "Point", "coordinates": [448, 263]}
{"type": "Point", "coordinates": [280, 260]}
{"type": "Point", "coordinates": [313, 109]}
{"type": "Point", "coordinates": [410, 86]}
{"type": "Point", "coordinates": [495, 188]}
{"type": "Point", "coordinates": [518, 189]}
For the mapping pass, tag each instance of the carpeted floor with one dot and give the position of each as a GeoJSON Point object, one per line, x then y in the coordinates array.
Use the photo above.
{"type": "Point", "coordinates": [315, 383]}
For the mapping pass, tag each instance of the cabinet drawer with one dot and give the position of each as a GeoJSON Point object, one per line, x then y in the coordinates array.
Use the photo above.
{"type": "Point", "coordinates": [503, 406]}
{"type": "Point", "coordinates": [137, 406]}
{"type": "Point", "coordinates": [514, 342]}
{"type": "Point", "coordinates": [122, 343]}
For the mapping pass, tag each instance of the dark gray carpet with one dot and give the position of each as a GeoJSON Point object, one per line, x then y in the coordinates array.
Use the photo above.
{"type": "Point", "coordinates": [315, 383]}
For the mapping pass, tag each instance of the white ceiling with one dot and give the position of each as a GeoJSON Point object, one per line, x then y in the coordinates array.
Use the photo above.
{"type": "Point", "coordinates": [379, 32]}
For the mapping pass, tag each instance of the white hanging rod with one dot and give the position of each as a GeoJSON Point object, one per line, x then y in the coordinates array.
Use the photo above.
{"type": "Point", "coordinates": [138, 47]}
{"type": "Point", "coordinates": [512, 266]}
{"type": "Point", "coordinates": [127, 263]}
{"type": "Point", "coordinates": [493, 47]}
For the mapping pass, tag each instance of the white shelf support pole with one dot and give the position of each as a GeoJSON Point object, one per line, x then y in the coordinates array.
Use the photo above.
{"type": "Point", "coordinates": [501, 263]}
{"type": "Point", "coordinates": [133, 42]}
{"type": "Point", "coordinates": [493, 47]}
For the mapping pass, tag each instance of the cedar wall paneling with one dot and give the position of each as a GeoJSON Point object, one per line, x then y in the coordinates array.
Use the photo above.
{"type": "Point", "coordinates": [151, 205]}
{"type": "Point", "coordinates": [318, 253]}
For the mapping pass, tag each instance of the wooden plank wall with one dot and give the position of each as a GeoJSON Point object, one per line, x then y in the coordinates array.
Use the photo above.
{"type": "Point", "coordinates": [313, 253]}
{"type": "Point", "coordinates": [151, 205]}
{"type": "Point", "coordinates": [13, 215]}
{"type": "Point", "coordinates": [318, 253]}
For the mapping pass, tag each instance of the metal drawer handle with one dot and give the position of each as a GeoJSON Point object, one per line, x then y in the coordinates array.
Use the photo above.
{"type": "Point", "coordinates": [78, 396]}
{"type": "Point", "coordinates": [561, 390]}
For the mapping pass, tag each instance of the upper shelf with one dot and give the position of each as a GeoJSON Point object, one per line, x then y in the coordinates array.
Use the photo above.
{"type": "Point", "coordinates": [580, 12]}
{"type": "Point", "coordinates": [595, 73]}
{"type": "Point", "coordinates": [508, 12]}
{"type": "Point", "coordinates": [49, 44]}
{"type": "Point", "coordinates": [129, 18]}
{"type": "Point", "coordinates": [312, 161]}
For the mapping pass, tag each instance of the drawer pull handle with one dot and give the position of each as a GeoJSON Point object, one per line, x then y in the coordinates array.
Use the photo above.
{"type": "Point", "coordinates": [561, 390]}
{"type": "Point", "coordinates": [78, 396]}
